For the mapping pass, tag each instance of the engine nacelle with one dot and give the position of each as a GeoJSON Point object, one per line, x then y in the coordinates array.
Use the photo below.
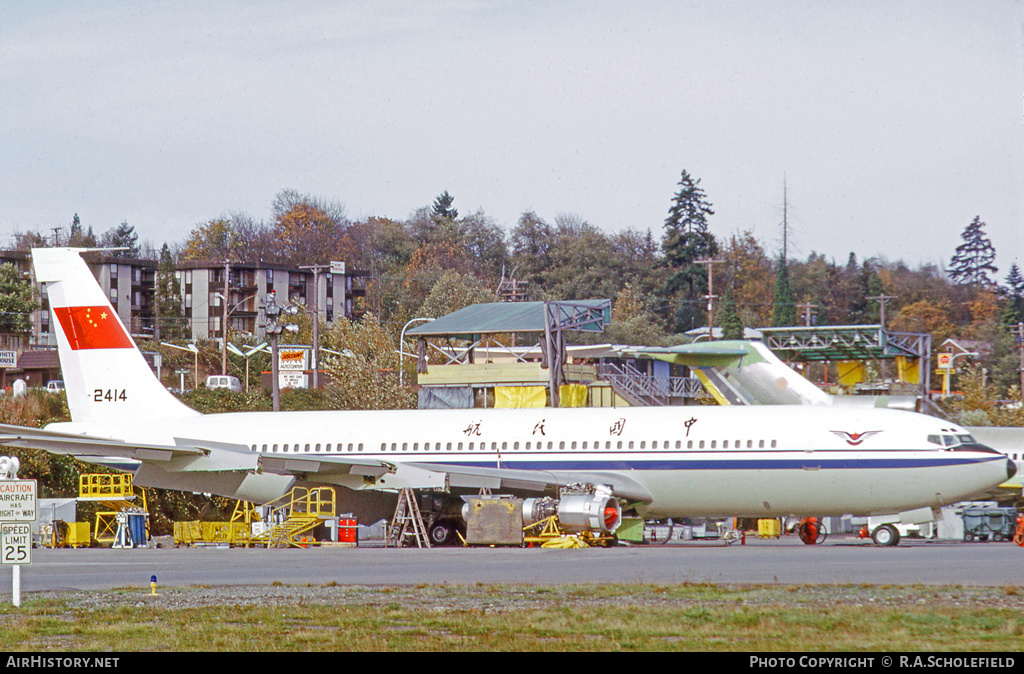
{"type": "Point", "coordinates": [576, 512]}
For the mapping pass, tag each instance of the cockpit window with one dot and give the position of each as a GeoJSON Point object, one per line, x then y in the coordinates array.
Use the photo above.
{"type": "Point", "coordinates": [935, 439]}
{"type": "Point", "coordinates": [966, 439]}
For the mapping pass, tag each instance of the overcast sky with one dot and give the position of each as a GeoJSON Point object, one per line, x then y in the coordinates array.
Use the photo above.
{"type": "Point", "coordinates": [894, 123]}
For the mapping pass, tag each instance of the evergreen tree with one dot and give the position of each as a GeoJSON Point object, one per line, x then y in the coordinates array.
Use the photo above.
{"type": "Point", "coordinates": [784, 309]}
{"type": "Point", "coordinates": [685, 241]}
{"type": "Point", "coordinates": [972, 263]}
{"type": "Point", "coordinates": [732, 325]}
{"type": "Point", "coordinates": [171, 322]}
{"type": "Point", "coordinates": [1014, 310]}
{"type": "Point", "coordinates": [443, 207]}
{"type": "Point", "coordinates": [79, 239]}
{"type": "Point", "coordinates": [122, 236]}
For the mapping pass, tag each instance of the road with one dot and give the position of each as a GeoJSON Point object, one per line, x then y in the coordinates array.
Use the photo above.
{"type": "Point", "coordinates": [837, 562]}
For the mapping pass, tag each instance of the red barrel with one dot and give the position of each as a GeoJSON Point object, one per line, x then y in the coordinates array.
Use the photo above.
{"type": "Point", "coordinates": [347, 530]}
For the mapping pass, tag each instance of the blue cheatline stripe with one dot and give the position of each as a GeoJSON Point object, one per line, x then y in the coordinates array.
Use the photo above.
{"type": "Point", "coordinates": [739, 464]}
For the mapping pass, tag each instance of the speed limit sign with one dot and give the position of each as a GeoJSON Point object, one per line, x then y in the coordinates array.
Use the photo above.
{"type": "Point", "coordinates": [16, 543]}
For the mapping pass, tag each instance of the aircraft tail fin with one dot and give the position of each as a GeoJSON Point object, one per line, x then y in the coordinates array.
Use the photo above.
{"type": "Point", "coordinates": [105, 375]}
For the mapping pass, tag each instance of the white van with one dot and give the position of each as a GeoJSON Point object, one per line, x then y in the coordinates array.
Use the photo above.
{"type": "Point", "coordinates": [222, 381]}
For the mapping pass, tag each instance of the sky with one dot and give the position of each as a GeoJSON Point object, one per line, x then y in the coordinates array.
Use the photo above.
{"type": "Point", "coordinates": [891, 124]}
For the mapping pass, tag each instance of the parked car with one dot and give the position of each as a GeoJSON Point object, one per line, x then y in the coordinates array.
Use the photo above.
{"type": "Point", "coordinates": [55, 385]}
{"type": "Point", "coordinates": [222, 381]}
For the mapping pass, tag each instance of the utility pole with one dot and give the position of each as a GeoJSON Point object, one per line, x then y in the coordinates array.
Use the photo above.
{"type": "Point", "coordinates": [224, 321]}
{"type": "Point", "coordinates": [806, 307]}
{"type": "Point", "coordinates": [710, 297]}
{"type": "Point", "coordinates": [1020, 346]}
{"type": "Point", "coordinates": [882, 299]}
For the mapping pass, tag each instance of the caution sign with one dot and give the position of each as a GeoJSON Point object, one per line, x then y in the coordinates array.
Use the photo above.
{"type": "Point", "coordinates": [16, 543]}
{"type": "Point", "coordinates": [17, 500]}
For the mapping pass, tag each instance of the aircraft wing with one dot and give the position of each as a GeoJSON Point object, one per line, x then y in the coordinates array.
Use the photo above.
{"type": "Point", "coordinates": [371, 474]}
{"type": "Point", "coordinates": [187, 455]}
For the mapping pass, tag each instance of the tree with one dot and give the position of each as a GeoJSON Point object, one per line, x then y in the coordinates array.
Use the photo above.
{"type": "Point", "coordinates": [972, 263]}
{"type": "Point", "coordinates": [443, 207]}
{"type": "Point", "coordinates": [532, 240]}
{"type": "Point", "coordinates": [1013, 312]}
{"type": "Point", "coordinates": [124, 237]}
{"type": "Point", "coordinates": [171, 322]}
{"type": "Point", "coordinates": [784, 306]}
{"type": "Point", "coordinates": [79, 239]}
{"type": "Point", "coordinates": [686, 236]}
{"type": "Point", "coordinates": [211, 240]}
{"type": "Point", "coordinates": [17, 302]}
{"type": "Point", "coordinates": [732, 326]}
{"type": "Point", "coordinates": [308, 230]}
{"type": "Point", "coordinates": [366, 376]}
{"type": "Point", "coordinates": [454, 291]}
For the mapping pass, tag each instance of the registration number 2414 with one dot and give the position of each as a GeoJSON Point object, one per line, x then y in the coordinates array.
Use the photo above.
{"type": "Point", "coordinates": [110, 395]}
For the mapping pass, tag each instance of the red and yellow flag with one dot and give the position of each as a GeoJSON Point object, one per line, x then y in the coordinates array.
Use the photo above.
{"type": "Point", "coordinates": [92, 328]}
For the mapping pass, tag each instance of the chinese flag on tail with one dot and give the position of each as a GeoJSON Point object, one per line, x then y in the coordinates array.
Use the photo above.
{"type": "Point", "coordinates": [92, 328]}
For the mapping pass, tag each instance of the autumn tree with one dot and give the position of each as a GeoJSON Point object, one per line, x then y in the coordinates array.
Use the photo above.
{"type": "Point", "coordinates": [365, 377]}
{"type": "Point", "coordinates": [308, 230]}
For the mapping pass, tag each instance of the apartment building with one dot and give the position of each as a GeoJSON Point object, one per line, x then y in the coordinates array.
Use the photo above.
{"type": "Point", "coordinates": [130, 285]}
{"type": "Point", "coordinates": [205, 296]}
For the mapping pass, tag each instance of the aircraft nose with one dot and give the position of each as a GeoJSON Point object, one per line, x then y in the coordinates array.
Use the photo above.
{"type": "Point", "coordinates": [1011, 469]}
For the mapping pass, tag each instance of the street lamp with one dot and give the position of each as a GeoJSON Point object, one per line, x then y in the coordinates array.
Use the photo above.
{"type": "Point", "coordinates": [948, 371]}
{"type": "Point", "coordinates": [247, 354]}
{"type": "Point", "coordinates": [401, 345]}
{"type": "Point", "coordinates": [194, 350]}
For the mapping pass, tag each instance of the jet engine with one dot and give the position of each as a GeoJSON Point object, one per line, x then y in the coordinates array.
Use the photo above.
{"type": "Point", "coordinates": [597, 512]}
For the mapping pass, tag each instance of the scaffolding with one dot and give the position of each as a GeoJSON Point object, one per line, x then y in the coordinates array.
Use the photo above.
{"type": "Point", "coordinates": [292, 521]}
{"type": "Point", "coordinates": [116, 495]}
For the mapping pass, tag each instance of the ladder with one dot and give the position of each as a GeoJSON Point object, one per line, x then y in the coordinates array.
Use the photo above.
{"type": "Point", "coordinates": [408, 521]}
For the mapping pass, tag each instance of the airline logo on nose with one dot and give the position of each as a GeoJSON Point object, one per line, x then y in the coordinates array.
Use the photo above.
{"type": "Point", "coordinates": [92, 328]}
{"type": "Point", "coordinates": [855, 438]}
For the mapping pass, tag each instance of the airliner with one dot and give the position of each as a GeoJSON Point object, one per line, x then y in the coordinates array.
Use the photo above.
{"type": "Point", "coordinates": [647, 462]}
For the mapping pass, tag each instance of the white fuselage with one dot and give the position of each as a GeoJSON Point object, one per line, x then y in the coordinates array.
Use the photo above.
{"type": "Point", "coordinates": [700, 460]}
